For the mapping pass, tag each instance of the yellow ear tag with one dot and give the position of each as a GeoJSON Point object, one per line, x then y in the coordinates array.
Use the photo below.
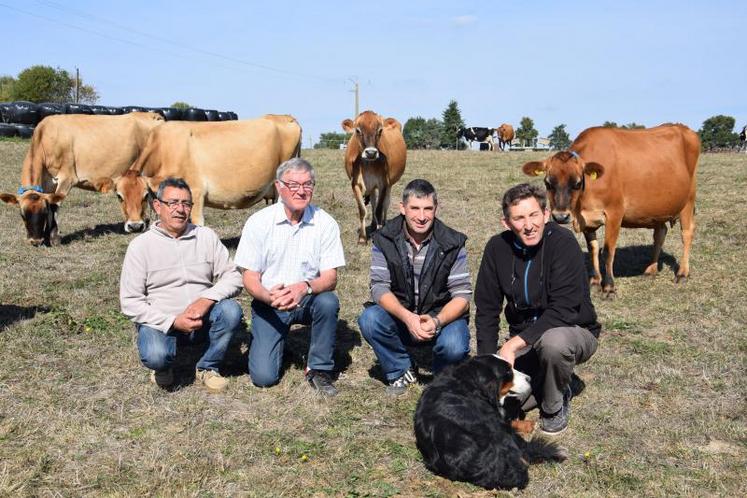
{"type": "Point", "coordinates": [538, 172]}
{"type": "Point", "coordinates": [593, 175]}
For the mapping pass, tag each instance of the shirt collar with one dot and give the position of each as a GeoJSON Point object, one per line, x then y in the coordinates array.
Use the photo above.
{"type": "Point", "coordinates": [279, 216]}
{"type": "Point", "coordinates": [190, 231]}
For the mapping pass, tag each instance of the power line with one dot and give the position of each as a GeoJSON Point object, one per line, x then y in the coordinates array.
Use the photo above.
{"type": "Point", "coordinates": [161, 39]}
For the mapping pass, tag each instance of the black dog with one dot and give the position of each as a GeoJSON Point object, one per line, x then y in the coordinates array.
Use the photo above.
{"type": "Point", "coordinates": [466, 427]}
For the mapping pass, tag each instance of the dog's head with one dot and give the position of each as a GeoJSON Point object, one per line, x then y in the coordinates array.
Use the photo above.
{"type": "Point", "coordinates": [493, 378]}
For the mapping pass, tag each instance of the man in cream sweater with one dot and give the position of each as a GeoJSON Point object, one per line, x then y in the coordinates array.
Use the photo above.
{"type": "Point", "coordinates": [176, 285]}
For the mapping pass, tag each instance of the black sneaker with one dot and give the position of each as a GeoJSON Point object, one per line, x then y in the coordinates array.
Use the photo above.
{"type": "Point", "coordinates": [322, 382]}
{"type": "Point", "coordinates": [398, 386]}
{"type": "Point", "coordinates": [553, 425]}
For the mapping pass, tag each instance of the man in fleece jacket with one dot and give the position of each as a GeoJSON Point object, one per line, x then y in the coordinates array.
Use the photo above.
{"type": "Point", "coordinates": [538, 269]}
{"type": "Point", "coordinates": [176, 285]}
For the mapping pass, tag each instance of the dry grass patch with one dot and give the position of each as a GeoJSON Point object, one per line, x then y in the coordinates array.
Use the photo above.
{"type": "Point", "coordinates": [663, 412]}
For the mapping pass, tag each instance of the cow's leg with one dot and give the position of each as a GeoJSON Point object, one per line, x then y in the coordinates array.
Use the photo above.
{"type": "Point", "coordinates": [375, 196]}
{"type": "Point", "coordinates": [592, 245]}
{"type": "Point", "coordinates": [687, 224]}
{"type": "Point", "coordinates": [198, 200]}
{"type": "Point", "coordinates": [358, 195]}
{"type": "Point", "coordinates": [611, 233]}
{"type": "Point", "coordinates": [660, 233]}
{"type": "Point", "coordinates": [60, 186]}
{"type": "Point", "coordinates": [383, 206]}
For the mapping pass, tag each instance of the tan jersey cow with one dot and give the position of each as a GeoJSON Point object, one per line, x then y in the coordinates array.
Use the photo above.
{"type": "Point", "coordinates": [625, 178]}
{"type": "Point", "coordinates": [505, 134]}
{"type": "Point", "coordinates": [227, 164]}
{"type": "Point", "coordinates": [374, 161]}
{"type": "Point", "coordinates": [75, 150]}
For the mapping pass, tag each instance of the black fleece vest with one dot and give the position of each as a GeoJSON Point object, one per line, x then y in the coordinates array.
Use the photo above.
{"type": "Point", "coordinates": [442, 252]}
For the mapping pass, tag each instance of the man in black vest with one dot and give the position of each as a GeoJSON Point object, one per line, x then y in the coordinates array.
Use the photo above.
{"type": "Point", "coordinates": [421, 288]}
{"type": "Point", "coordinates": [537, 269]}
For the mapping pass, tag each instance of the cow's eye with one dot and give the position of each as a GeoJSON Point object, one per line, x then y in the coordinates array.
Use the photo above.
{"type": "Point", "coordinates": [119, 196]}
{"type": "Point", "coordinates": [578, 185]}
{"type": "Point", "coordinates": [358, 131]}
{"type": "Point", "coordinates": [549, 186]}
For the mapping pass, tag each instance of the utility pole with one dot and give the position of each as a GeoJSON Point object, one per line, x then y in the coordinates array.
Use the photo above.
{"type": "Point", "coordinates": [355, 90]}
{"type": "Point", "coordinates": [77, 85]}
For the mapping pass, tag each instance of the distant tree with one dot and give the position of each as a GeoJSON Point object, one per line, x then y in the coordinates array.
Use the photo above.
{"type": "Point", "coordinates": [452, 121]}
{"type": "Point", "coordinates": [421, 133]}
{"type": "Point", "coordinates": [331, 140]}
{"type": "Point", "coordinates": [526, 132]}
{"type": "Point", "coordinates": [609, 124]}
{"type": "Point", "coordinates": [718, 132]}
{"type": "Point", "coordinates": [559, 138]}
{"type": "Point", "coordinates": [47, 84]}
{"type": "Point", "coordinates": [180, 105]}
{"type": "Point", "coordinates": [6, 88]}
{"type": "Point", "coordinates": [633, 126]}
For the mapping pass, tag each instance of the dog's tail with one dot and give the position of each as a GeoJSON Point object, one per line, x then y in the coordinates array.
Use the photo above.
{"type": "Point", "coordinates": [541, 450]}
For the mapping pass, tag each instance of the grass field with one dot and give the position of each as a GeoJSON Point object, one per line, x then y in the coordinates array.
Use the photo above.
{"type": "Point", "coordinates": [663, 413]}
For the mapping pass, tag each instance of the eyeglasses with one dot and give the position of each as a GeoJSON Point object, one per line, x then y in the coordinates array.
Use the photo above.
{"type": "Point", "coordinates": [295, 186]}
{"type": "Point", "coordinates": [172, 204]}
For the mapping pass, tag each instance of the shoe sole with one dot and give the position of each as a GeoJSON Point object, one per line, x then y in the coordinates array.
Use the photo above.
{"type": "Point", "coordinates": [551, 434]}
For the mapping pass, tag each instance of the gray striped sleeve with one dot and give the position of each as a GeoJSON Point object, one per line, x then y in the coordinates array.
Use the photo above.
{"type": "Point", "coordinates": [380, 278]}
{"type": "Point", "coordinates": [459, 283]}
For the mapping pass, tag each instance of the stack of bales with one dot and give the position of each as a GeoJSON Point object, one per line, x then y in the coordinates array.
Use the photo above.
{"type": "Point", "coordinates": [18, 119]}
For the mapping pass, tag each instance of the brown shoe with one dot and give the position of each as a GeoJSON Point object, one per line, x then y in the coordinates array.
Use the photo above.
{"type": "Point", "coordinates": [212, 380]}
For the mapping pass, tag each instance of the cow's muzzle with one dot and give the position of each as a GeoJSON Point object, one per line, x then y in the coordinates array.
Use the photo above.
{"type": "Point", "coordinates": [561, 217]}
{"type": "Point", "coordinates": [134, 226]}
{"type": "Point", "coordinates": [370, 153]}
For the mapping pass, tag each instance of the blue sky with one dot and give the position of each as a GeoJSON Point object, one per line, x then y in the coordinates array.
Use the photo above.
{"type": "Point", "coordinates": [576, 62]}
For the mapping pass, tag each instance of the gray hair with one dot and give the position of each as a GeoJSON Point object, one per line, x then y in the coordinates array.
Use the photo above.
{"type": "Point", "coordinates": [522, 191]}
{"type": "Point", "coordinates": [172, 182]}
{"type": "Point", "coordinates": [295, 164]}
{"type": "Point", "coordinates": [419, 188]}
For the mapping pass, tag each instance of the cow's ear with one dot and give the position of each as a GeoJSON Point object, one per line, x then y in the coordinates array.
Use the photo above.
{"type": "Point", "coordinates": [593, 170]}
{"type": "Point", "coordinates": [9, 198]}
{"type": "Point", "coordinates": [392, 123]}
{"type": "Point", "coordinates": [348, 125]}
{"type": "Point", "coordinates": [103, 185]}
{"type": "Point", "coordinates": [153, 182]}
{"type": "Point", "coordinates": [55, 198]}
{"type": "Point", "coordinates": [534, 168]}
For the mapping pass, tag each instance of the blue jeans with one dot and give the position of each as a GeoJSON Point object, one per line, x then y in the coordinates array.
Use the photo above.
{"type": "Point", "coordinates": [388, 337]}
{"type": "Point", "coordinates": [270, 328]}
{"type": "Point", "coordinates": [158, 350]}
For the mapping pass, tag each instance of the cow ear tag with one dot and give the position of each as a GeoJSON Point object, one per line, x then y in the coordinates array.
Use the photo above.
{"type": "Point", "coordinates": [593, 175]}
{"type": "Point", "coordinates": [538, 172]}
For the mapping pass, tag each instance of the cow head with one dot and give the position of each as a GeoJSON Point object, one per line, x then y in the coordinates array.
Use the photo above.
{"type": "Point", "coordinates": [133, 194]}
{"type": "Point", "coordinates": [565, 180]}
{"type": "Point", "coordinates": [367, 129]}
{"type": "Point", "coordinates": [39, 213]}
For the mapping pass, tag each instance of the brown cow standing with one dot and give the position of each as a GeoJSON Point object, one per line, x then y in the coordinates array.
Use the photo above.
{"type": "Point", "coordinates": [505, 134]}
{"type": "Point", "coordinates": [227, 164]}
{"type": "Point", "coordinates": [86, 151]}
{"type": "Point", "coordinates": [625, 178]}
{"type": "Point", "coordinates": [374, 161]}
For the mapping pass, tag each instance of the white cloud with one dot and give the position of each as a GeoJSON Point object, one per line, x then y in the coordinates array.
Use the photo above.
{"type": "Point", "coordinates": [464, 20]}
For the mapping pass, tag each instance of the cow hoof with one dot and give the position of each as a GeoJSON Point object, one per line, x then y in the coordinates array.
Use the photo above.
{"type": "Point", "coordinates": [680, 279]}
{"type": "Point", "coordinates": [595, 282]}
{"type": "Point", "coordinates": [651, 271]}
{"type": "Point", "coordinates": [55, 241]}
{"type": "Point", "coordinates": [609, 293]}
{"type": "Point", "coordinates": [362, 241]}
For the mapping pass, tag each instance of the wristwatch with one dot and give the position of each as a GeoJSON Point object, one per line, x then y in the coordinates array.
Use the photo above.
{"type": "Point", "coordinates": [308, 288]}
{"type": "Point", "coordinates": [437, 322]}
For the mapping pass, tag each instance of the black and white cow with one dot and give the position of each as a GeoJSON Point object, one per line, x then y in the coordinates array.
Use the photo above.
{"type": "Point", "coordinates": [477, 134]}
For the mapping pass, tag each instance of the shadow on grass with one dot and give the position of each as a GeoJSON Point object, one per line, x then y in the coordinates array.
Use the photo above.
{"type": "Point", "coordinates": [421, 357]}
{"type": "Point", "coordinates": [631, 261]}
{"type": "Point", "coordinates": [92, 233]}
{"type": "Point", "coordinates": [10, 314]}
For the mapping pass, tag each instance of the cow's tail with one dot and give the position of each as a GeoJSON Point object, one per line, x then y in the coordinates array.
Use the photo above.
{"type": "Point", "coordinates": [297, 152]}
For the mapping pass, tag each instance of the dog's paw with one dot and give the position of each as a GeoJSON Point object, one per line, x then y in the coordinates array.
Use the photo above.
{"type": "Point", "coordinates": [523, 426]}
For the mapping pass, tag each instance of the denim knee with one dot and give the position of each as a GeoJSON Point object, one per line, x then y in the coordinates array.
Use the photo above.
{"type": "Point", "coordinates": [452, 349]}
{"type": "Point", "coordinates": [229, 311]}
{"type": "Point", "coordinates": [156, 356]}
{"type": "Point", "coordinates": [264, 378]}
{"type": "Point", "coordinates": [369, 320]}
{"type": "Point", "coordinates": [326, 304]}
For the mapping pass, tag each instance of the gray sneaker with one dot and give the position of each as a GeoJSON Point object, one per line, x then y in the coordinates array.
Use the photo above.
{"type": "Point", "coordinates": [553, 425]}
{"type": "Point", "coordinates": [398, 386]}
{"type": "Point", "coordinates": [322, 382]}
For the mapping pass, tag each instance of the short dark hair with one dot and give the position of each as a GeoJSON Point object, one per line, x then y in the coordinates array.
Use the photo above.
{"type": "Point", "coordinates": [174, 182]}
{"type": "Point", "coordinates": [518, 193]}
{"type": "Point", "coordinates": [419, 188]}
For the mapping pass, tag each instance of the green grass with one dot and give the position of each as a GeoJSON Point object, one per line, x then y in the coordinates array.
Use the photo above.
{"type": "Point", "coordinates": [663, 412]}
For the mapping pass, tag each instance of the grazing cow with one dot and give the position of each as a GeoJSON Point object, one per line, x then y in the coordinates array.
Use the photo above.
{"type": "Point", "coordinates": [67, 150]}
{"type": "Point", "coordinates": [227, 164]}
{"type": "Point", "coordinates": [374, 161]}
{"type": "Point", "coordinates": [505, 134]}
{"type": "Point", "coordinates": [625, 178]}
{"type": "Point", "coordinates": [477, 134]}
{"type": "Point", "coordinates": [743, 138]}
